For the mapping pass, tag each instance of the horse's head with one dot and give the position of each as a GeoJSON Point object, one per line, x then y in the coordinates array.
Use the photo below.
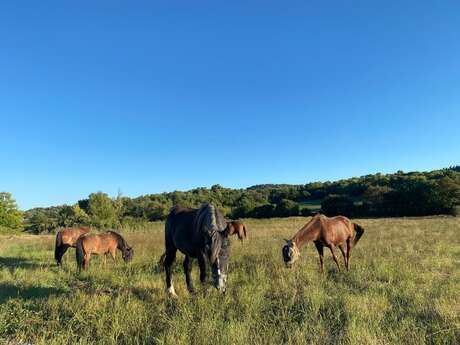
{"type": "Point", "coordinates": [290, 253]}
{"type": "Point", "coordinates": [218, 252]}
{"type": "Point", "coordinates": [217, 245]}
{"type": "Point", "coordinates": [128, 253]}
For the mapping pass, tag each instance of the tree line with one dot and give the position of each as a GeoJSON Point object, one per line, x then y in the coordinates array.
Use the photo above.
{"type": "Point", "coordinates": [378, 195]}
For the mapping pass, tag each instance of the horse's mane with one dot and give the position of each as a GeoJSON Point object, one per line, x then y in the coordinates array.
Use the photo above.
{"type": "Point", "coordinates": [120, 240]}
{"type": "Point", "coordinates": [209, 219]}
{"type": "Point", "coordinates": [306, 227]}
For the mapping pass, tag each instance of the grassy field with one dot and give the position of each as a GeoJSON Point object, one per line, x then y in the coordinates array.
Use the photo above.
{"type": "Point", "coordinates": [403, 288]}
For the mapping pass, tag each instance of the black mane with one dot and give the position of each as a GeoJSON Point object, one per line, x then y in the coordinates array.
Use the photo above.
{"type": "Point", "coordinates": [120, 240]}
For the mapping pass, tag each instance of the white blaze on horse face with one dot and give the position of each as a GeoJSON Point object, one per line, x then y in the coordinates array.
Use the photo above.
{"type": "Point", "coordinates": [292, 254]}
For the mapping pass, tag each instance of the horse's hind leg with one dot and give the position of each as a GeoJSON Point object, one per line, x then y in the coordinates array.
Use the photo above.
{"type": "Point", "coordinates": [86, 261]}
{"type": "Point", "coordinates": [169, 260]}
{"type": "Point", "coordinates": [188, 270]}
{"type": "Point", "coordinates": [348, 252]}
{"type": "Point", "coordinates": [344, 255]}
{"type": "Point", "coordinates": [331, 247]}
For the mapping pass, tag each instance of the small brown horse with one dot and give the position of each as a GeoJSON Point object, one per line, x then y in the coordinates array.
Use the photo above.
{"type": "Point", "coordinates": [324, 232]}
{"type": "Point", "coordinates": [67, 238]}
{"type": "Point", "coordinates": [101, 244]}
{"type": "Point", "coordinates": [237, 227]}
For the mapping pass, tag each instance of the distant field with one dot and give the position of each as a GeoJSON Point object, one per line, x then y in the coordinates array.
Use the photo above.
{"type": "Point", "coordinates": [403, 288]}
{"type": "Point", "coordinates": [312, 205]}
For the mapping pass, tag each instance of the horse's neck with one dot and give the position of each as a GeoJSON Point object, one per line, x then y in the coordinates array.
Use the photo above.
{"type": "Point", "coordinates": [121, 243]}
{"type": "Point", "coordinates": [305, 235]}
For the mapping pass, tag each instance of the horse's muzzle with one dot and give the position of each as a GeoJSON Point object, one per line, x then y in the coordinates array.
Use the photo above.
{"type": "Point", "coordinates": [220, 282]}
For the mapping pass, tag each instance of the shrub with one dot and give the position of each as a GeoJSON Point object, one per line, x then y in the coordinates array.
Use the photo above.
{"type": "Point", "coordinates": [334, 205]}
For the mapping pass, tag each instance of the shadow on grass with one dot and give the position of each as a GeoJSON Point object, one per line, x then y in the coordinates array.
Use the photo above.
{"type": "Point", "coordinates": [349, 280]}
{"type": "Point", "coordinates": [15, 262]}
{"type": "Point", "coordinates": [8, 291]}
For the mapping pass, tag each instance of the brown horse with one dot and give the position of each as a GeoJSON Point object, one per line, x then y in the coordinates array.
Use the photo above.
{"type": "Point", "coordinates": [237, 227]}
{"type": "Point", "coordinates": [67, 238]}
{"type": "Point", "coordinates": [324, 232]}
{"type": "Point", "coordinates": [101, 244]}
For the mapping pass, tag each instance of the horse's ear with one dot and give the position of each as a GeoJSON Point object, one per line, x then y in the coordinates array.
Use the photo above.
{"type": "Point", "coordinates": [285, 240]}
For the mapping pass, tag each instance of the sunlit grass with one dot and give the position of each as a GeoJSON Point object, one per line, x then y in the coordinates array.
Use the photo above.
{"type": "Point", "coordinates": [403, 288]}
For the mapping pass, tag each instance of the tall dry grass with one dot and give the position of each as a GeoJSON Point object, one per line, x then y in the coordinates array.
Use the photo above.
{"type": "Point", "coordinates": [403, 288]}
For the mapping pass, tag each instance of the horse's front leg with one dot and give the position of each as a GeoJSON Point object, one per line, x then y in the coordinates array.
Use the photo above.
{"type": "Point", "coordinates": [320, 249]}
{"type": "Point", "coordinates": [203, 272]}
{"type": "Point", "coordinates": [169, 260]}
{"type": "Point", "coordinates": [113, 253]}
{"type": "Point", "coordinates": [188, 270]}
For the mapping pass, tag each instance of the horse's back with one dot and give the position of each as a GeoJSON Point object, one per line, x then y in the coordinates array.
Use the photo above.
{"type": "Point", "coordinates": [336, 229]}
{"type": "Point", "coordinates": [98, 243]}
{"type": "Point", "coordinates": [70, 236]}
{"type": "Point", "coordinates": [180, 231]}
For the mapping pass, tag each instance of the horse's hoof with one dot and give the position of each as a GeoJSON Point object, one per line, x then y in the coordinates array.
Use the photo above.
{"type": "Point", "coordinates": [171, 292]}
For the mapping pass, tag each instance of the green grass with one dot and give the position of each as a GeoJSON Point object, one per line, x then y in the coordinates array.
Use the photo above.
{"type": "Point", "coordinates": [403, 288]}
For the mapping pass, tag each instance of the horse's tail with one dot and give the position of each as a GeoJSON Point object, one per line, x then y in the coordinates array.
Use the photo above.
{"type": "Point", "coordinates": [244, 232]}
{"type": "Point", "coordinates": [161, 262]}
{"type": "Point", "coordinates": [359, 232]}
{"type": "Point", "coordinates": [57, 248]}
{"type": "Point", "coordinates": [79, 253]}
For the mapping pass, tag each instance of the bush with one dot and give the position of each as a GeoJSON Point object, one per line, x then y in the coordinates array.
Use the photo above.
{"type": "Point", "coordinates": [334, 205]}
{"type": "Point", "coordinates": [263, 211]}
{"type": "Point", "coordinates": [306, 212]}
{"type": "Point", "coordinates": [287, 208]}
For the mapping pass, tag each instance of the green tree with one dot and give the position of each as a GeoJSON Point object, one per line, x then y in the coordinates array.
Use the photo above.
{"type": "Point", "coordinates": [102, 210]}
{"type": "Point", "coordinates": [10, 216]}
{"type": "Point", "coordinates": [72, 215]}
{"type": "Point", "coordinates": [40, 220]}
{"type": "Point", "coordinates": [334, 205]}
{"type": "Point", "coordinates": [287, 208]}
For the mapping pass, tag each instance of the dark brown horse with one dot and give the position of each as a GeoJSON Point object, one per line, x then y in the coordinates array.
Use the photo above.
{"type": "Point", "coordinates": [101, 244]}
{"type": "Point", "coordinates": [237, 227]}
{"type": "Point", "coordinates": [324, 232]}
{"type": "Point", "coordinates": [67, 238]}
{"type": "Point", "coordinates": [198, 233]}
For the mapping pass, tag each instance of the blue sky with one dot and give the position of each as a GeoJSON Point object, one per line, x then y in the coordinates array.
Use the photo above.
{"type": "Point", "coordinates": [147, 97]}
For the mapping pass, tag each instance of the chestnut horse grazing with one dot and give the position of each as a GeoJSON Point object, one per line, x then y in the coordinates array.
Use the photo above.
{"type": "Point", "coordinates": [324, 232]}
{"type": "Point", "coordinates": [101, 244]}
{"type": "Point", "coordinates": [237, 227]}
{"type": "Point", "coordinates": [67, 238]}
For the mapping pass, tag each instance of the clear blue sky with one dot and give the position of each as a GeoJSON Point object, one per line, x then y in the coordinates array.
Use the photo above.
{"type": "Point", "coordinates": [151, 96]}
